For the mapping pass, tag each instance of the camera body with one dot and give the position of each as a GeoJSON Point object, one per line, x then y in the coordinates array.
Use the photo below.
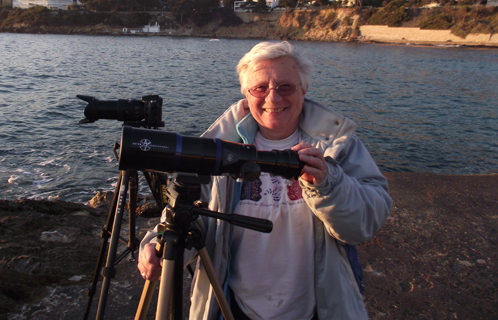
{"type": "Point", "coordinates": [138, 113]}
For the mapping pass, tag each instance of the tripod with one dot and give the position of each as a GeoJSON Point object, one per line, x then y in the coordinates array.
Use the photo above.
{"type": "Point", "coordinates": [127, 184]}
{"type": "Point", "coordinates": [180, 232]}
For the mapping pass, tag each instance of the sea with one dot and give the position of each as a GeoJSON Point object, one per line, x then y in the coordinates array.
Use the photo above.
{"type": "Point", "coordinates": [431, 109]}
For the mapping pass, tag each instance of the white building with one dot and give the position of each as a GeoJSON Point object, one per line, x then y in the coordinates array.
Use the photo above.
{"type": "Point", "coordinates": [146, 29]}
{"type": "Point", "coordinates": [51, 4]}
{"type": "Point", "coordinates": [152, 29]}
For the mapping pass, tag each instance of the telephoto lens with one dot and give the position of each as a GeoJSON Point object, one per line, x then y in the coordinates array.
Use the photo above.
{"type": "Point", "coordinates": [148, 109]}
{"type": "Point", "coordinates": [153, 150]}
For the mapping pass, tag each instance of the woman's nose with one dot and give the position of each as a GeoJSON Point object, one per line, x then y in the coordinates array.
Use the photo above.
{"type": "Point", "coordinates": [273, 95]}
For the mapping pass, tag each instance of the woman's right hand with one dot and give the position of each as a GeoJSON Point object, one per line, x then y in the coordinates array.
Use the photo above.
{"type": "Point", "coordinates": [149, 264]}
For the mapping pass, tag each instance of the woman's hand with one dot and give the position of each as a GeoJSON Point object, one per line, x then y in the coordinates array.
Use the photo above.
{"type": "Point", "coordinates": [149, 264]}
{"type": "Point", "coordinates": [315, 170]}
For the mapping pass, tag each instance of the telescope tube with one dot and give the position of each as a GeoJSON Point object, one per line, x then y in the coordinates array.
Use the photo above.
{"type": "Point", "coordinates": [153, 150]}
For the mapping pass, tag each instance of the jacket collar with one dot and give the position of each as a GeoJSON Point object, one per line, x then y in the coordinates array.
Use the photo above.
{"type": "Point", "coordinates": [320, 125]}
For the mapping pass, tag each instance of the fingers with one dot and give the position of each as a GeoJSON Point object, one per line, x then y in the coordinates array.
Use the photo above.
{"type": "Point", "coordinates": [149, 264]}
{"type": "Point", "coordinates": [315, 170]}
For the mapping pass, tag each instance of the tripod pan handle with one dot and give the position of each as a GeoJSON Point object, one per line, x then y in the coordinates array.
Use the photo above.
{"type": "Point", "coordinates": [261, 225]}
{"type": "Point", "coordinates": [257, 224]}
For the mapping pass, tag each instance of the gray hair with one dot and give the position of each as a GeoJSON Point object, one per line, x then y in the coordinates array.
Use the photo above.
{"type": "Point", "coordinates": [268, 50]}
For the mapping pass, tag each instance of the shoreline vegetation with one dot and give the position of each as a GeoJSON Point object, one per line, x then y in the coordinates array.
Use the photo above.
{"type": "Point", "coordinates": [436, 257]}
{"type": "Point", "coordinates": [397, 22]}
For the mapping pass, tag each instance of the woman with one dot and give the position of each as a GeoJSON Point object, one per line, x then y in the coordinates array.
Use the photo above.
{"type": "Point", "coordinates": [300, 270]}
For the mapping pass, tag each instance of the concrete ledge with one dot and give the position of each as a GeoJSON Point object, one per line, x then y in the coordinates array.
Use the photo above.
{"type": "Point", "coordinates": [416, 35]}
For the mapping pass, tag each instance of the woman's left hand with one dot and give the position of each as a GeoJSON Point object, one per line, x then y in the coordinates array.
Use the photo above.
{"type": "Point", "coordinates": [315, 170]}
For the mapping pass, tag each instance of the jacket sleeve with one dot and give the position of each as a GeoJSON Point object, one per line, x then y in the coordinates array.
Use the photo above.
{"type": "Point", "coordinates": [353, 202]}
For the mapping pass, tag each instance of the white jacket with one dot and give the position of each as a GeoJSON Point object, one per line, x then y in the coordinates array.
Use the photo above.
{"type": "Point", "coordinates": [350, 207]}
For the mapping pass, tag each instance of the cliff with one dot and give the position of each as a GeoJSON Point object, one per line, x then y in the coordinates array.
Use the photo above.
{"type": "Point", "coordinates": [435, 257]}
{"type": "Point", "coordinates": [448, 26]}
{"type": "Point", "coordinates": [345, 24]}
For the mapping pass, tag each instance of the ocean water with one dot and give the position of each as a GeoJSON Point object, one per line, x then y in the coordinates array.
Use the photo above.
{"type": "Point", "coordinates": [419, 109]}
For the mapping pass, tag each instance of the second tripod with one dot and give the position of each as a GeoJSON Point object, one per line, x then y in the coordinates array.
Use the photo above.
{"type": "Point", "coordinates": [127, 184]}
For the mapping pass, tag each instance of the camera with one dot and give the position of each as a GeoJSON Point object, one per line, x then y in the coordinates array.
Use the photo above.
{"type": "Point", "coordinates": [145, 113]}
{"type": "Point", "coordinates": [152, 150]}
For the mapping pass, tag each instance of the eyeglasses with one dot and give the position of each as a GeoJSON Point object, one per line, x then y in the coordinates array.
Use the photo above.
{"type": "Point", "coordinates": [283, 90]}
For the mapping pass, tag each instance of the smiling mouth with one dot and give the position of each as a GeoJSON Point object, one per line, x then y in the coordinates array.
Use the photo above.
{"type": "Point", "coordinates": [274, 110]}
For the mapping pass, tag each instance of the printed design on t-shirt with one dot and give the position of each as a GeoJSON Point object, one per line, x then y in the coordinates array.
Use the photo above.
{"type": "Point", "coordinates": [275, 190]}
{"type": "Point", "coordinates": [294, 191]}
{"type": "Point", "coordinates": [251, 190]}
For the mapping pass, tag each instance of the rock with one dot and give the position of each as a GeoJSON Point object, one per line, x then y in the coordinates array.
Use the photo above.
{"type": "Point", "coordinates": [148, 210]}
{"type": "Point", "coordinates": [146, 207]}
{"type": "Point", "coordinates": [102, 200]}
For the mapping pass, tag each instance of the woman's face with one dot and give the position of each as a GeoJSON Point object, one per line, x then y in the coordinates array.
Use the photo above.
{"type": "Point", "coordinates": [277, 116]}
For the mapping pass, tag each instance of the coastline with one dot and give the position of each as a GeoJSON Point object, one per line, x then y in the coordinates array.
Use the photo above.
{"type": "Point", "coordinates": [392, 37]}
{"type": "Point", "coordinates": [342, 25]}
{"type": "Point", "coordinates": [435, 257]}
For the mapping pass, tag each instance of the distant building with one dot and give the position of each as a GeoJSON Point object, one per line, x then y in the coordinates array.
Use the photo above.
{"type": "Point", "coordinates": [152, 29]}
{"type": "Point", "coordinates": [146, 29]}
{"type": "Point", "coordinates": [51, 4]}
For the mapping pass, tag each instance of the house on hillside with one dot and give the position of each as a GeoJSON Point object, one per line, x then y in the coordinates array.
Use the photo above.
{"type": "Point", "coordinates": [146, 29]}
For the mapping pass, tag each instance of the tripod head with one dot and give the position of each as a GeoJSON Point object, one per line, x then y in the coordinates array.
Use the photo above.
{"type": "Point", "coordinates": [184, 205]}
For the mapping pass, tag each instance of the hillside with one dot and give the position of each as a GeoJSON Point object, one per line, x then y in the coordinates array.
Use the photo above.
{"type": "Point", "coordinates": [468, 25]}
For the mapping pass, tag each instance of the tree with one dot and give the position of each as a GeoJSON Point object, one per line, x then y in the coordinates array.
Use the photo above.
{"type": "Point", "coordinates": [180, 7]}
{"type": "Point", "coordinates": [199, 10]}
{"type": "Point", "coordinates": [288, 3]}
{"type": "Point", "coordinates": [261, 6]}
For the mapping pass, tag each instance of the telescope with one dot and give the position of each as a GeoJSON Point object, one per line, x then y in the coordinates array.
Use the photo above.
{"type": "Point", "coordinates": [152, 150]}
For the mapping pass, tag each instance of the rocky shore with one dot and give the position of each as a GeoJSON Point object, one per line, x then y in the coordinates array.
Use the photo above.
{"type": "Point", "coordinates": [435, 258]}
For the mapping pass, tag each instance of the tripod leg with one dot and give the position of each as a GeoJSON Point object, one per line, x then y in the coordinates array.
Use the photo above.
{"type": "Point", "coordinates": [218, 291]}
{"type": "Point", "coordinates": [167, 281]}
{"type": "Point", "coordinates": [148, 291]}
{"type": "Point", "coordinates": [109, 270]}
{"type": "Point", "coordinates": [132, 240]}
{"type": "Point", "coordinates": [103, 248]}
{"type": "Point", "coordinates": [145, 299]}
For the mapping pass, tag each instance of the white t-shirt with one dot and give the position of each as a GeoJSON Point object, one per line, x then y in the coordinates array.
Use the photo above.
{"type": "Point", "coordinates": [272, 274]}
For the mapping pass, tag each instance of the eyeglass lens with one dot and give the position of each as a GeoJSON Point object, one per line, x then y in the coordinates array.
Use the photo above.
{"type": "Point", "coordinates": [283, 90]}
